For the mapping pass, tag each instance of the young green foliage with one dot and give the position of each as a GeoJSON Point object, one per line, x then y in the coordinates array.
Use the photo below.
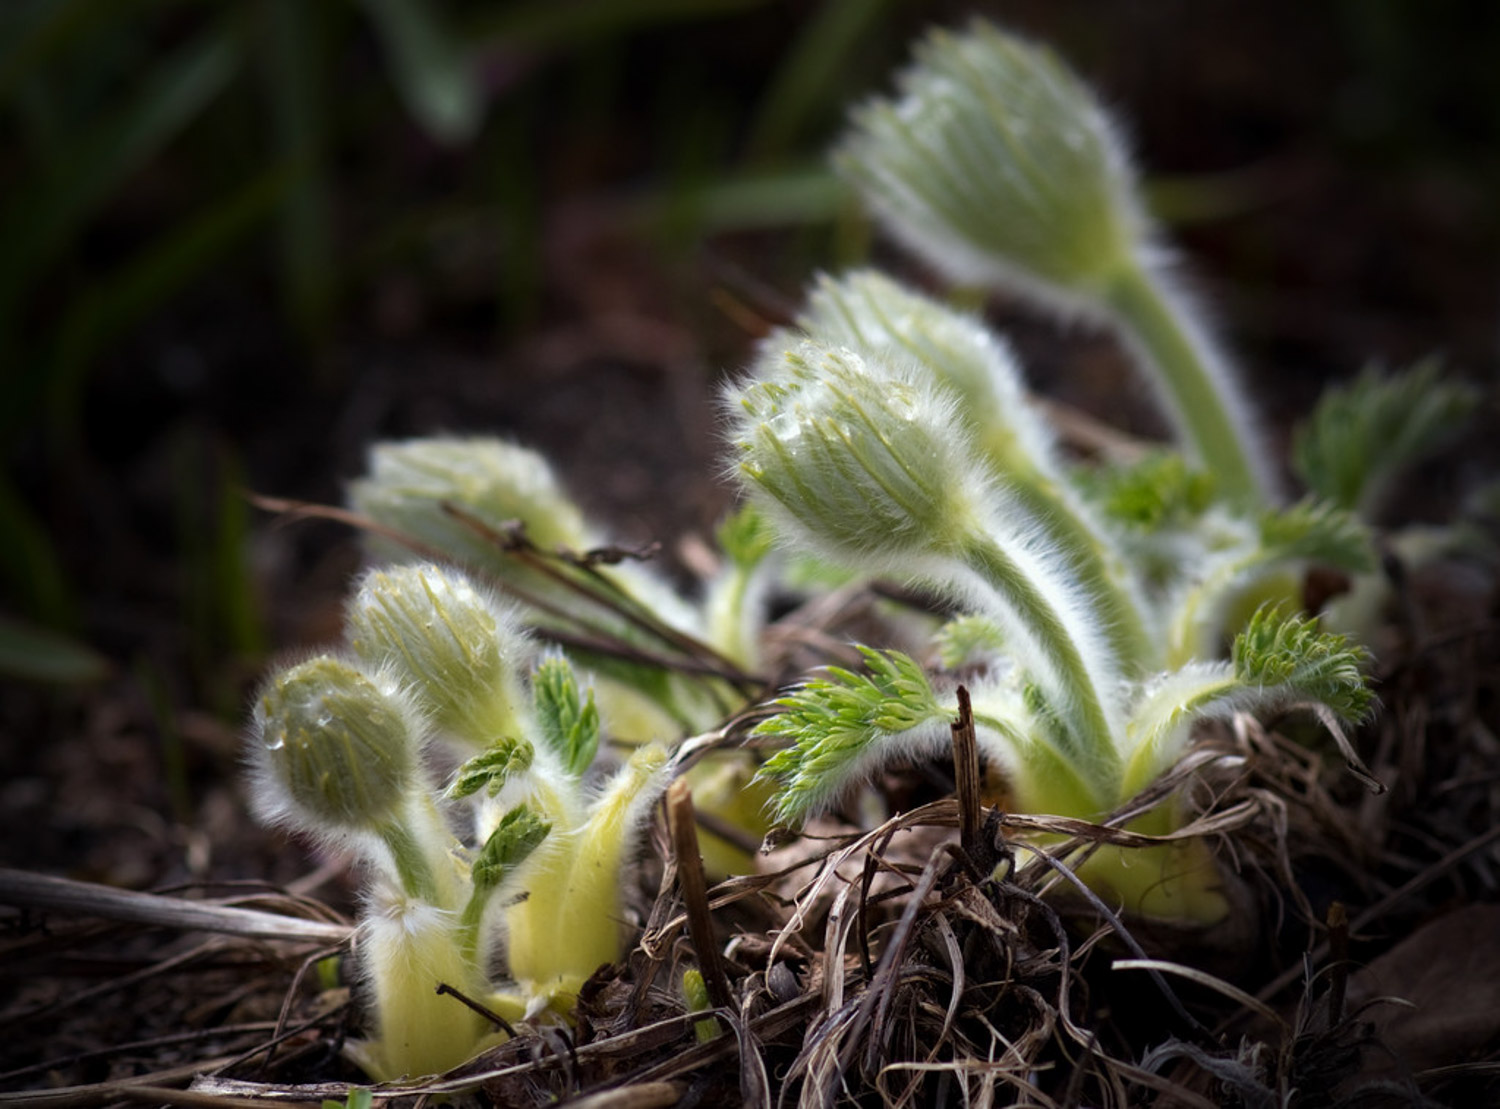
{"type": "Point", "coordinates": [339, 756]}
{"type": "Point", "coordinates": [567, 720]}
{"type": "Point", "coordinates": [1361, 435]}
{"type": "Point", "coordinates": [842, 725]}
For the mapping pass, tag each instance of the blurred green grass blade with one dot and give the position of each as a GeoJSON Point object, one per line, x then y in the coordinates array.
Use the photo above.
{"type": "Point", "coordinates": [808, 78]}
{"type": "Point", "coordinates": [293, 61]}
{"type": "Point", "coordinates": [752, 201]}
{"type": "Point", "coordinates": [115, 303]}
{"type": "Point", "coordinates": [435, 76]}
{"type": "Point", "coordinates": [43, 217]}
{"type": "Point", "coordinates": [235, 600]}
{"type": "Point", "coordinates": [37, 654]}
{"type": "Point", "coordinates": [29, 564]}
{"type": "Point", "coordinates": [549, 23]}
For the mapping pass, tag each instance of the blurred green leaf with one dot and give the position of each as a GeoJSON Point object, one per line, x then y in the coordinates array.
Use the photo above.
{"type": "Point", "coordinates": [807, 78]}
{"type": "Point", "coordinates": [42, 217]}
{"type": "Point", "coordinates": [291, 56]}
{"type": "Point", "coordinates": [36, 654]}
{"type": "Point", "coordinates": [29, 564]}
{"type": "Point", "coordinates": [757, 200]}
{"type": "Point", "coordinates": [433, 73]}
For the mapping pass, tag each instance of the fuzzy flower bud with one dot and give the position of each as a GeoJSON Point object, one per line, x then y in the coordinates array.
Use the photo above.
{"type": "Point", "coordinates": [496, 482]}
{"type": "Point", "coordinates": [868, 311]}
{"type": "Point", "coordinates": [996, 164]}
{"type": "Point", "coordinates": [337, 746]}
{"type": "Point", "coordinates": [869, 463]}
{"type": "Point", "coordinates": [451, 644]}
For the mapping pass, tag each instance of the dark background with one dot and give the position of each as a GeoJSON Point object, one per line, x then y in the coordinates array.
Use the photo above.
{"type": "Point", "coordinates": [243, 240]}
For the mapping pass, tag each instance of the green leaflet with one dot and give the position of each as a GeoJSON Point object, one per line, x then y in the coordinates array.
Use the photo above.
{"type": "Point", "coordinates": [567, 720]}
{"type": "Point", "coordinates": [1290, 651]}
{"type": "Point", "coordinates": [837, 725]}
{"type": "Point", "coordinates": [1361, 435]}
{"type": "Point", "coordinates": [492, 768]}
{"type": "Point", "coordinates": [1317, 531]}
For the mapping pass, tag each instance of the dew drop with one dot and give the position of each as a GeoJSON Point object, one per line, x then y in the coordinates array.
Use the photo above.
{"type": "Point", "coordinates": [786, 427]}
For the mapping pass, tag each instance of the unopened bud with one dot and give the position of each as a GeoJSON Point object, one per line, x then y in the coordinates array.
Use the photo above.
{"type": "Point", "coordinates": [496, 483]}
{"type": "Point", "coordinates": [337, 746]}
{"type": "Point", "coordinates": [451, 644]}
{"type": "Point", "coordinates": [996, 164]}
{"type": "Point", "coordinates": [868, 462]}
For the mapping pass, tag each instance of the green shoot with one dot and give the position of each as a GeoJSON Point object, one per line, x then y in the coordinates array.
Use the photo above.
{"type": "Point", "coordinates": [1363, 434]}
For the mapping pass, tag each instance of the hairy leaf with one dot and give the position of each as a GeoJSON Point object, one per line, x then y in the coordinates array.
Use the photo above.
{"type": "Point", "coordinates": [967, 640]}
{"type": "Point", "coordinates": [492, 768]}
{"type": "Point", "coordinates": [1317, 531]}
{"type": "Point", "coordinates": [1292, 653]}
{"type": "Point", "coordinates": [1360, 436]}
{"type": "Point", "coordinates": [842, 725]}
{"type": "Point", "coordinates": [568, 720]}
{"type": "Point", "coordinates": [518, 834]}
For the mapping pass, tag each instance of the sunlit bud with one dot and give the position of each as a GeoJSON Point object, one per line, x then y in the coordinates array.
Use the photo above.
{"type": "Point", "coordinates": [868, 311]}
{"type": "Point", "coordinates": [996, 164]}
{"type": "Point", "coordinates": [495, 482]}
{"type": "Point", "coordinates": [868, 462]}
{"type": "Point", "coordinates": [337, 748]}
{"type": "Point", "coordinates": [456, 649]}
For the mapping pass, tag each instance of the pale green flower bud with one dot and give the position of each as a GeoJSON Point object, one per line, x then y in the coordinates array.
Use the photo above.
{"type": "Point", "coordinates": [868, 463]}
{"type": "Point", "coordinates": [336, 748]}
{"type": "Point", "coordinates": [996, 164]}
{"type": "Point", "coordinates": [498, 483]}
{"type": "Point", "coordinates": [868, 311]}
{"type": "Point", "coordinates": [454, 647]}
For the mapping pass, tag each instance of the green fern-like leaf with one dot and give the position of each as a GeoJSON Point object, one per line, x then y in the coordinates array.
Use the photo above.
{"type": "Point", "coordinates": [1317, 531]}
{"type": "Point", "coordinates": [518, 834]}
{"type": "Point", "coordinates": [967, 640]}
{"type": "Point", "coordinates": [1290, 652]}
{"type": "Point", "coordinates": [840, 727]}
{"type": "Point", "coordinates": [746, 535]}
{"type": "Point", "coordinates": [1160, 490]}
{"type": "Point", "coordinates": [1360, 436]}
{"type": "Point", "coordinates": [568, 720]}
{"type": "Point", "coordinates": [492, 768]}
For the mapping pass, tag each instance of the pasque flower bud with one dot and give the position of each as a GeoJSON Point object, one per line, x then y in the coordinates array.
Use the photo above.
{"type": "Point", "coordinates": [339, 746]}
{"type": "Point", "coordinates": [453, 646]}
{"type": "Point", "coordinates": [869, 463]}
{"type": "Point", "coordinates": [496, 482]}
{"type": "Point", "coordinates": [996, 164]}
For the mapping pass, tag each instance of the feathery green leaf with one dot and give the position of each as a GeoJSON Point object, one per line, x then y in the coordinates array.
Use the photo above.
{"type": "Point", "coordinates": [518, 834]}
{"type": "Point", "coordinates": [1291, 652]}
{"type": "Point", "coordinates": [837, 724]}
{"type": "Point", "coordinates": [568, 720]}
{"type": "Point", "coordinates": [968, 640]}
{"type": "Point", "coordinates": [1317, 531]}
{"type": "Point", "coordinates": [492, 768]}
{"type": "Point", "coordinates": [1360, 436]}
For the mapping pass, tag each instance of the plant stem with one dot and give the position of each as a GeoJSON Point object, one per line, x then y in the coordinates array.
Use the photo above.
{"type": "Point", "coordinates": [412, 868]}
{"type": "Point", "coordinates": [1165, 338]}
{"type": "Point", "coordinates": [1075, 694]}
{"type": "Point", "coordinates": [1124, 625]}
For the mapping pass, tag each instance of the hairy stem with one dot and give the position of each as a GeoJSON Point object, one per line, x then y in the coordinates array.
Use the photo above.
{"type": "Point", "coordinates": [1164, 337]}
{"type": "Point", "coordinates": [1086, 730]}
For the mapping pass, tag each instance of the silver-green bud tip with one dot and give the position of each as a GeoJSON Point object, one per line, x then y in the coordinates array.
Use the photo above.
{"type": "Point", "coordinates": [336, 747]}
